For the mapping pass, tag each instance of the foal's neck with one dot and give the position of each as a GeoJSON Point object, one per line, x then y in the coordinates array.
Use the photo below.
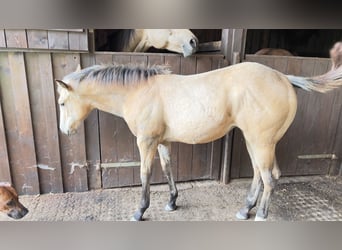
{"type": "Point", "coordinates": [108, 98]}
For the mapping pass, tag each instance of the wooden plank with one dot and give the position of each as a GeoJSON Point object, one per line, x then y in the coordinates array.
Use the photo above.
{"type": "Point", "coordinates": [58, 40]}
{"type": "Point", "coordinates": [92, 139]}
{"type": "Point", "coordinates": [18, 123]}
{"type": "Point", "coordinates": [45, 125]}
{"type": "Point", "coordinates": [2, 39]}
{"type": "Point", "coordinates": [37, 39]}
{"type": "Point", "coordinates": [16, 38]}
{"type": "Point", "coordinates": [78, 41]}
{"type": "Point", "coordinates": [73, 152]}
{"type": "Point", "coordinates": [314, 120]}
{"type": "Point", "coordinates": [174, 63]}
{"type": "Point", "coordinates": [5, 173]}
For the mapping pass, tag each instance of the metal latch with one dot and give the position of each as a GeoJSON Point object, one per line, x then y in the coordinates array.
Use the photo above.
{"type": "Point", "coordinates": [318, 156]}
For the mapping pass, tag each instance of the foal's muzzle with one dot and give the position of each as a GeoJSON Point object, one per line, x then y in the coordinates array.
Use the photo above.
{"type": "Point", "coordinates": [191, 47]}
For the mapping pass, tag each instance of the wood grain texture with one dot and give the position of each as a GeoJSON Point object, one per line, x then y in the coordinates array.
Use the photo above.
{"type": "Point", "coordinates": [58, 40]}
{"type": "Point", "coordinates": [78, 41]}
{"type": "Point", "coordinates": [73, 153]}
{"type": "Point", "coordinates": [37, 39]}
{"type": "Point", "coordinates": [5, 173]}
{"type": "Point", "coordinates": [16, 39]}
{"type": "Point", "coordinates": [18, 123]}
{"type": "Point", "coordinates": [2, 39]}
{"type": "Point", "coordinates": [45, 126]}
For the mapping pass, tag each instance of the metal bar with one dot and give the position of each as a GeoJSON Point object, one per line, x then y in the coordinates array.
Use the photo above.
{"type": "Point", "coordinates": [318, 156]}
{"type": "Point", "coordinates": [120, 164]}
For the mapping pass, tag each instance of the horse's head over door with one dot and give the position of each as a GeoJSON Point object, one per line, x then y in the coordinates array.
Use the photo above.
{"type": "Point", "coordinates": [182, 41]}
{"type": "Point", "coordinates": [72, 109]}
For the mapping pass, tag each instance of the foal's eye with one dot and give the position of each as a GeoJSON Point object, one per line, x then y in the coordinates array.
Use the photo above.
{"type": "Point", "coordinates": [62, 104]}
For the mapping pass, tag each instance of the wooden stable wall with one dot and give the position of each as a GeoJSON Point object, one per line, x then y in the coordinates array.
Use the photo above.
{"type": "Point", "coordinates": [21, 39]}
{"type": "Point", "coordinates": [37, 158]}
{"type": "Point", "coordinates": [314, 139]}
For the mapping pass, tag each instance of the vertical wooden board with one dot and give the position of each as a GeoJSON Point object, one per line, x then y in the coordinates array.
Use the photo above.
{"type": "Point", "coordinates": [92, 138]}
{"type": "Point", "coordinates": [58, 40]}
{"type": "Point", "coordinates": [2, 39]}
{"type": "Point", "coordinates": [315, 120]}
{"type": "Point", "coordinates": [280, 63]}
{"type": "Point", "coordinates": [16, 38]}
{"type": "Point", "coordinates": [5, 173]}
{"type": "Point", "coordinates": [37, 39]}
{"type": "Point", "coordinates": [18, 123]}
{"type": "Point", "coordinates": [45, 126]}
{"type": "Point", "coordinates": [78, 41]}
{"type": "Point", "coordinates": [241, 159]}
{"type": "Point", "coordinates": [73, 152]}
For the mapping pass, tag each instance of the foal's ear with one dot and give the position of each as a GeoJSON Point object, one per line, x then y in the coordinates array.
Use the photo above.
{"type": "Point", "coordinates": [78, 68]}
{"type": "Point", "coordinates": [63, 85]}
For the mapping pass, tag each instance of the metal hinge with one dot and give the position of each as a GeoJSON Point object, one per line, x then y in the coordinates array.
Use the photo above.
{"type": "Point", "coordinates": [318, 156]}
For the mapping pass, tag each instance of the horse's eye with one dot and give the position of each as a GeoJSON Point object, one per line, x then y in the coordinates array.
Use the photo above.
{"type": "Point", "coordinates": [11, 203]}
{"type": "Point", "coordinates": [62, 104]}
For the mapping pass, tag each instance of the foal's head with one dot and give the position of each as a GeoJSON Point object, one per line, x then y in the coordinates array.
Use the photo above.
{"type": "Point", "coordinates": [73, 109]}
{"type": "Point", "coordinates": [178, 40]}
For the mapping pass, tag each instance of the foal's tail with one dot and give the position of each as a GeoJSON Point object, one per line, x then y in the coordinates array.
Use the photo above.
{"type": "Point", "coordinates": [322, 83]}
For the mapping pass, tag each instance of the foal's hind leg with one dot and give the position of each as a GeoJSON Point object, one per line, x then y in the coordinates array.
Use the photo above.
{"type": "Point", "coordinates": [164, 154]}
{"type": "Point", "coordinates": [147, 148]}
{"type": "Point", "coordinates": [252, 196]}
{"type": "Point", "coordinates": [264, 156]}
{"type": "Point", "coordinates": [254, 191]}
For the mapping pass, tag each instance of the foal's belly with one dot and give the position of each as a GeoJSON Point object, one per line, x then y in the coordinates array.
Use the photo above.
{"type": "Point", "coordinates": [203, 129]}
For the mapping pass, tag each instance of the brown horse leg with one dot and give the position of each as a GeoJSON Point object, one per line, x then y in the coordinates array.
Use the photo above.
{"type": "Point", "coordinates": [164, 154]}
{"type": "Point", "coordinates": [147, 148]}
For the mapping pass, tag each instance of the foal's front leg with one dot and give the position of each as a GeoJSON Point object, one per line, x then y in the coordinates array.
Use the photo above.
{"type": "Point", "coordinates": [165, 161]}
{"type": "Point", "coordinates": [147, 148]}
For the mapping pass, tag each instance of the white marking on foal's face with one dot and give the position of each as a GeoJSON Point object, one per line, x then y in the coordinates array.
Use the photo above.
{"type": "Point", "coordinates": [72, 110]}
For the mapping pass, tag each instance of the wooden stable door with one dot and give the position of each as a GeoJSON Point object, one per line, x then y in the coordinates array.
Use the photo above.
{"type": "Point", "coordinates": [311, 145]}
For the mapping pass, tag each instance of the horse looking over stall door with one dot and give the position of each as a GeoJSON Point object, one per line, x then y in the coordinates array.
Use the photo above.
{"type": "Point", "coordinates": [182, 41]}
{"type": "Point", "coordinates": [160, 108]}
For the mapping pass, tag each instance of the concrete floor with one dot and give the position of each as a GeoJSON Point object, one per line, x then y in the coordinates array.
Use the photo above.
{"type": "Point", "coordinates": [295, 199]}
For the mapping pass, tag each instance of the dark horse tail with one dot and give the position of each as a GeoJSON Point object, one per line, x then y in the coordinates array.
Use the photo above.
{"type": "Point", "coordinates": [322, 83]}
